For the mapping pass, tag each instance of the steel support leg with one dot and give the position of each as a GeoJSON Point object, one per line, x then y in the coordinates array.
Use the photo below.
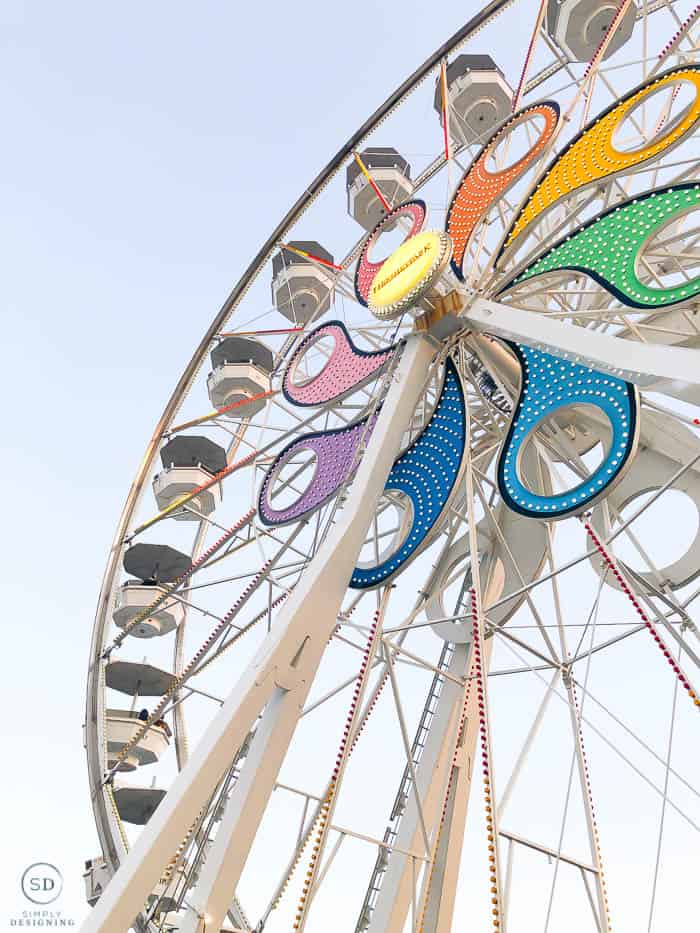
{"type": "Point", "coordinates": [438, 896]}
{"type": "Point", "coordinates": [283, 669]}
{"type": "Point", "coordinates": [394, 899]}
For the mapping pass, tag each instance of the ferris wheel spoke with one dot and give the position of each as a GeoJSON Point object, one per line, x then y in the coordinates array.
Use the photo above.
{"type": "Point", "coordinates": [437, 900]}
{"type": "Point", "coordinates": [673, 45]}
{"type": "Point", "coordinates": [305, 830]}
{"type": "Point", "coordinates": [606, 740]}
{"type": "Point", "coordinates": [619, 575]}
{"type": "Point", "coordinates": [662, 816]}
{"type": "Point", "coordinates": [587, 793]}
{"type": "Point", "coordinates": [629, 731]}
{"type": "Point", "coordinates": [643, 585]}
{"type": "Point", "coordinates": [579, 756]}
{"type": "Point", "coordinates": [646, 583]}
{"type": "Point", "coordinates": [507, 551]}
{"type": "Point", "coordinates": [666, 369]}
{"type": "Point", "coordinates": [391, 890]}
{"type": "Point", "coordinates": [325, 818]}
{"type": "Point", "coordinates": [224, 624]}
{"type": "Point", "coordinates": [674, 607]}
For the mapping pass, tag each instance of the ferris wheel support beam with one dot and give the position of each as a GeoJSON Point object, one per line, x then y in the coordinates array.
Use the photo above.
{"type": "Point", "coordinates": [440, 885]}
{"type": "Point", "coordinates": [395, 894]}
{"type": "Point", "coordinates": [656, 368]}
{"type": "Point", "coordinates": [603, 916]}
{"type": "Point", "coordinates": [278, 681]}
{"type": "Point", "coordinates": [442, 770]}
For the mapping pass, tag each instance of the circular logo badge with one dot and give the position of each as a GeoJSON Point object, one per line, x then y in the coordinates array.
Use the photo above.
{"type": "Point", "coordinates": [42, 883]}
{"type": "Point", "coordinates": [409, 272]}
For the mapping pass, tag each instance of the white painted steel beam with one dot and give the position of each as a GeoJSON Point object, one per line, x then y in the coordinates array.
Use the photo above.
{"type": "Point", "coordinates": [284, 668]}
{"type": "Point", "coordinates": [394, 898]}
{"type": "Point", "coordinates": [657, 368]}
{"type": "Point", "coordinates": [438, 897]}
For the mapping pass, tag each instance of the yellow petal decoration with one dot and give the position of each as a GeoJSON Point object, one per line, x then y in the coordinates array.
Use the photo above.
{"type": "Point", "coordinates": [591, 155]}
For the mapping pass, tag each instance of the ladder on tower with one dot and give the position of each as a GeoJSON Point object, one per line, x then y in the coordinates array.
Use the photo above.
{"type": "Point", "coordinates": [404, 790]}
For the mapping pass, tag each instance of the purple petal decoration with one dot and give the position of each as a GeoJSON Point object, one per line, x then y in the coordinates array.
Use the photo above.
{"type": "Point", "coordinates": [336, 461]}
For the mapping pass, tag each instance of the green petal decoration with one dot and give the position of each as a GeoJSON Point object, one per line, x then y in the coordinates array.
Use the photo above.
{"type": "Point", "coordinates": [607, 248]}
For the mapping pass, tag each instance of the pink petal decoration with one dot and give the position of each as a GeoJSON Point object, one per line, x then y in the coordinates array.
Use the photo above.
{"type": "Point", "coordinates": [347, 369]}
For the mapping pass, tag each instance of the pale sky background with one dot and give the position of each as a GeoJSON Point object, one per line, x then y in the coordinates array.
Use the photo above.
{"type": "Point", "coordinates": [147, 151]}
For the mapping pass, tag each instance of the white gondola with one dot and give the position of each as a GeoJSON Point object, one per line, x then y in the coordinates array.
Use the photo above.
{"type": "Point", "coordinates": [137, 804]}
{"type": "Point", "coordinates": [154, 566]}
{"type": "Point", "coordinates": [137, 679]}
{"type": "Point", "coordinates": [301, 287]}
{"type": "Point", "coordinates": [390, 172]}
{"type": "Point", "coordinates": [479, 98]}
{"type": "Point", "coordinates": [579, 26]}
{"type": "Point", "coordinates": [188, 463]}
{"type": "Point", "coordinates": [122, 726]}
{"type": "Point", "coordinates": [241, 370]}
{"type": "Point", "coordinates": [133, 597]}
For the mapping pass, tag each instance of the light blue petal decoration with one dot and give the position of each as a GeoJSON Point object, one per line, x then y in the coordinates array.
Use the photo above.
{"type": "Point", "coordinates": [549, 384]}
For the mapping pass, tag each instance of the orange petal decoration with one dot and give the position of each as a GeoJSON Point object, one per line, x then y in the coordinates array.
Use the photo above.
{"type": "Point", "coordinates": [480, 187]}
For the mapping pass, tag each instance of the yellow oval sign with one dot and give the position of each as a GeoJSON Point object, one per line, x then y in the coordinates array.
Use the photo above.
{"type": "Point", "coordinates": [409, 270]}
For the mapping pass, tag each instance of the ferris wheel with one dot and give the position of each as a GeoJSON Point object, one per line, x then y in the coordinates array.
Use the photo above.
{"type": "Point", "coordinates": [397, 630]}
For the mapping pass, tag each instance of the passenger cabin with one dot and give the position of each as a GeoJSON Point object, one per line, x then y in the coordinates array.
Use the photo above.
{"type": "Point", "coordinates": [390, 172]}
{"type": "Point", "coordinates": [302, 288]}
{"type": "Point", "coordinates": [579, 26]}
{"type": "Point", "coordinates": [479, 97]}
{"type": "Point", "coordinates": [137, 679]}
{"type": "Point", "coordinates": [137, 804]}
{"type": "Point", "coordinates": [122, 727]}
{"type": "Point", "coordinates": [241, 371]}
{"type": "Point", "coordinates": [153, 566]}
{"type": "Point", "coordinates": [96, 877]}
{"type": "Point", "coordinates": [188, 463]}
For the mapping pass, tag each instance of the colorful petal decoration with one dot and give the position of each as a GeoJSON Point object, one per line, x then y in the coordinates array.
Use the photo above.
{"type": "Point", "coordinates": [550, 384]}
{"type": "Point", "coordinates": [366, 270]}
{"type": "Point", "coordinates": [608, 247]}
{"type": "Point", "coordinates": [337, 457]}
{"type": "Point", "coordinates": [592, 155]}
{"type": "Point", "coordinates": [427, 473]}
{"type": "Point", "coordinates": [348, 368]}
{"type": "Point", "coordinates": [480, 187]}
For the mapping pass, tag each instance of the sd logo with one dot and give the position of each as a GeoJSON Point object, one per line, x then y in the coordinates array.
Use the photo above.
{"type": "Point", "coordinates": [42, 883]}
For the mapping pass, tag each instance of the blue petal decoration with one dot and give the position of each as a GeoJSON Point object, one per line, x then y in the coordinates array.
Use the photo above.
{"type": "Point", "coordinates": [549, 384]}
{"type": "Point", "coordinates": [427, 473]}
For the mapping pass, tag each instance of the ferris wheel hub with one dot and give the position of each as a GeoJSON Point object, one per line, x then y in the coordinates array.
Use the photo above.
{"type": "Point", "coordinates": [409, 273]}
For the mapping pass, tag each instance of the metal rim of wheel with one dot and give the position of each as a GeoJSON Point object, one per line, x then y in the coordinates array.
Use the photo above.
{"type": "Point", "coordinates": [558, 312]}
